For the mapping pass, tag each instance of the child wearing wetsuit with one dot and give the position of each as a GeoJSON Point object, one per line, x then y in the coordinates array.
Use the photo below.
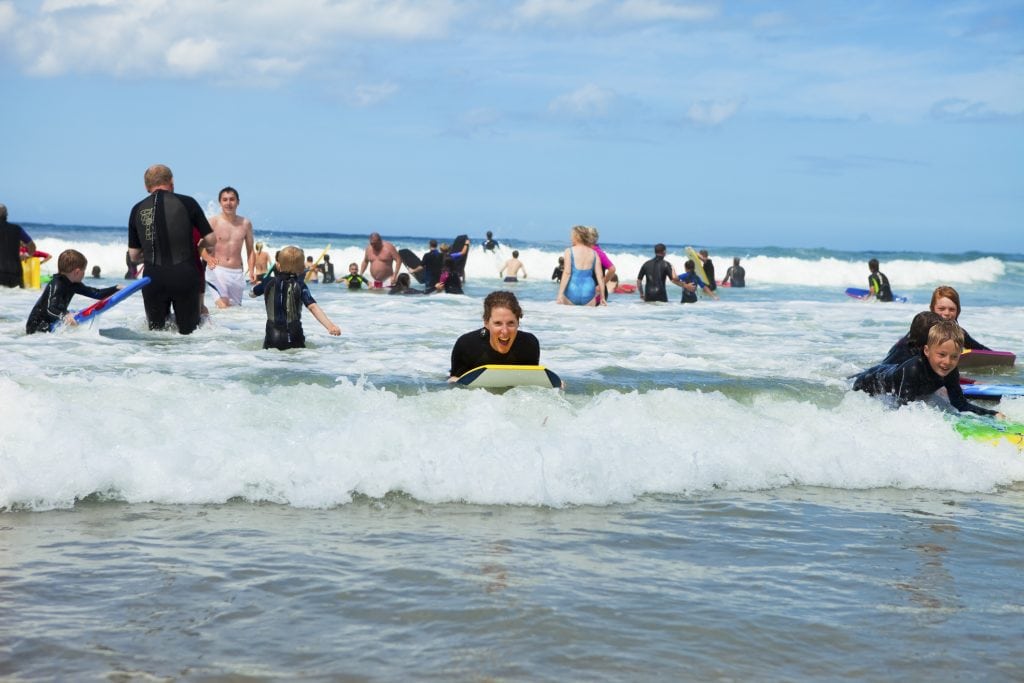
{"type": "Point", "coordinates": [284, 294]}
{"type": "Point", "coordinates": [878, 283]}
{"type": "Point", "coordinates": [52, 305]}
{"type": "Point", "coordinates": [922, 375]}
{"type": "Point", "coordinates": [691, 278]}
{"type": "Point", "coordinates": [354, 279]}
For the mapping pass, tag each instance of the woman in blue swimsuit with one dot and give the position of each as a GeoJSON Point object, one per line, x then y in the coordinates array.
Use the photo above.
{"type": "Point", "coordinates": [584, 279]}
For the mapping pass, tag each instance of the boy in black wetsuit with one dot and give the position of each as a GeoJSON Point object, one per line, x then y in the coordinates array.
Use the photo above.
{"type": "Point", "coordinates": [285, 294]}
{"type": "Point", "coordinates": [921, 376]}
{"type": "Point", "coordinates": [354, 279]}
{"type": "Point", "coordinates": [52, 305]}
{"type": "Point", "coordinates": [878, 283]}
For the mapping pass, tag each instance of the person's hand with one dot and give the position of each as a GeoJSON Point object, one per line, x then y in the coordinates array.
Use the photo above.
{"type": "Point", "coordinates": [1000, 416]}
{"type": "Point", "coordinates": [562, 300]}
{"type": "Point", "coordinates": [69, 319]}
{"type": "Point", "coordinates": [334, 331]}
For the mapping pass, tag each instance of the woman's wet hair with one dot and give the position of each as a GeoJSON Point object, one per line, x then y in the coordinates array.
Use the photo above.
{"type": "Point", "coordinates": [945, 291]}
{"type": "Point", "coordinates": [502, 299]}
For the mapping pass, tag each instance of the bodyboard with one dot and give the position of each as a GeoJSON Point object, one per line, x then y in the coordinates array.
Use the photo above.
{"type": "Point", "coordinates": [411, 261]}
{"type": "Point", "coordinates": [104, 305]}
{"type": "Point", "coordinates": [990, 430]}
{"type": "Point", "coordinates": [863, 294]}
{"type": "Point", "coordinates": [698, 265]}
{"type": "Point", "coordinates": [979, 358]}
{"type": "Point", "coordinates": [497, 376]}
{"type": "Point", "coordinates": [460, 262]}
{"type": "Point", "coordinates": [991, 391]}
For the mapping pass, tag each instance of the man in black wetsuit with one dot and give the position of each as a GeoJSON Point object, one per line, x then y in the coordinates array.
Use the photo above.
{"type": "Point", "coordinates": [12, 238]}
{"type": "Point", "coordinates": [878, 283]}
{"type": "Point", "coordinates": [709, 269]}
{"type": "Point", "coordinates": [160, 233]}
{"type": "Point", "coordinates": [655, 272]}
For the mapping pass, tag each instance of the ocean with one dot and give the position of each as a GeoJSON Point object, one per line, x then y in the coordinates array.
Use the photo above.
{"type": "Point", "coordinates": [706, 500]}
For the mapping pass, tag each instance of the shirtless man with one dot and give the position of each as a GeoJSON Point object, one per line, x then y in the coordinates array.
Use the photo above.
{"type": "Point", "coordinates": [512, 267]}
{"type": "Point", "coordinates": [224, 266]}
{"type": "Point", "coordinates": [261, 264]}
{"type": "Point", "coordinates": [379, 256]}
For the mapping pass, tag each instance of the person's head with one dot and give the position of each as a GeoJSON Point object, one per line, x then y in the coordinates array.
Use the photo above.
{"type": "Point", "coordinates": [327, 258]}
{"type": "Point", "coordinates": [489, 234]}
{"type": "Point", "coordinates": [95, 271]}
{"type": "Point", "coordinates": [873, 265]}
{"type": "Point", "coordinates": [515, 253]}
{"type": "Point", "coordinates": [703, 253]}
{"type": "Point", "coordinates": [919, 327]}
{"type": "Point", "coordinates": [289, 260]}
{"type": "Point", "coordinates": [228, 199]}
{"type": "Point", "coordinates": [614, 279]}
{"type": "Point", "coordinates": [375, 241]}
{"type": "Point", "coordinates": [945, 344]}
{"type": "Point", "coordinates": [71, 264]}
{"type": "Point", "coordinates": [353, 269]}
{"type": "Point", "coordinates": [433, 244]}
{"type": "Point", "coordinates": [946, 302]}
{"type": "Point", "coordinates": [735, 260]}
{"type": "Point", "coordinates": [3, 213]}
{"type": "Point", "coordinates": [689, 266]}
{"type": "Point", "coordinates": [158, 176]}
{"type": "Point", "coordinates": [502, 314]}
{"type": "Point", "coordinates": [403, 280]}
{"type": "Point", "coordinates": [561, 260]}
{"type": "Point", "coordinates": [595, 236]}
{"type": "Point", "coordinates": [580, 234]}
{"type": "Point", "coordinates": [445, 248]}
{"type": "Point", "coordinates": [259, 247]}
{"type": "Point", "coordinates": [659, 249]}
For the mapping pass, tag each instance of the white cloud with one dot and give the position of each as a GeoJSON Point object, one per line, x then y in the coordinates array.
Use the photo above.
{"type": "Point", "coordinates": [557, 10]}
{"type": "Point", "coordinates": [8, 16]}
{"type": "Point", "coordinates": [662, 10]}
{"type": "Point", "coordinates": [712, 113]}
{"type": "Point", "coordinates": [369, 95]}
{"type": "Point", "coordinates": [194, 56]}
{"type": "Point", "coordinates": [589, 101]}
{"type": "Point", "coordinates": [159, 37]}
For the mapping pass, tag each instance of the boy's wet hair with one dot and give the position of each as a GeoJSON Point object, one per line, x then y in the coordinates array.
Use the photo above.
{"type": "Point", "coordinates": [290, 260]}
{"type": "Point", "coordinates": [944, 331]}
{"type": "Point", "coordinates": [70, 259]}
{"type": "Point", "coordinates": [873, 265]}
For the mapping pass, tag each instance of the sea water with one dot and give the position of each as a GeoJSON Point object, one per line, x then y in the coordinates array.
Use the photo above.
{"type": "Point", "coordinates": [706, 500]}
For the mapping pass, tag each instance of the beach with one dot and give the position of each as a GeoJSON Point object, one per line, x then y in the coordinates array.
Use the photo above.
{"type": "Point", "coordinates": [706, 500]}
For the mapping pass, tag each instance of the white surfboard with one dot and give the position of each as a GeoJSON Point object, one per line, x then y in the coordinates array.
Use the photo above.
{"type": "Point", "coordinates": [497, 376]}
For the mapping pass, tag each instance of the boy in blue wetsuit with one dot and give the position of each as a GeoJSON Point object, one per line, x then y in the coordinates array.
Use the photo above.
{"type": "Point", "coordinates": [925, 373]}
{"type": "Point", "coordinates": [52, 305]}
{"type": "Point", "coordinates": [285, 294]}
{"type": "Point", "coordinates": [690, 281]}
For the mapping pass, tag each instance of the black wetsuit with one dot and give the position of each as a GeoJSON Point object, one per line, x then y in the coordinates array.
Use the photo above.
{"type": "Point", "coordinates": [473, 349]}
{"type": "Point", "coordinates": [972, 343]}
{"type": "Point", "coordinates": [736, 276]}
{"type": "Point", "coordinates": [556, 274]}
{"type": "Point", "coordinates": [452, 282]}
{"type": "Point", "coordinates": [901, 352]}
{"type": "Point", "coordinates": [284, 295]}
{"type": "Point", "coordinates": [53, 302]}
{"type": "Point", "coordinates": [878, 283]}
{"type": "Point", "coordinates": [432, 263]}
{"type": "Point", "coordinates": [709, 270]}
{"type": "Point", "coordinates": [327, 270]}
{"type": "Point", "coordinates": [490, 245]}
{"type": "Point", "coordinates": [161, 225]}
{"type": "Point", "coordinates": [355, 281]}
{"type": "Point", "coordinates": [11, 237]}
{"type": "Point", "coordinates": [914, 380]}
{"type": "Point", "coordinates": [653, 274]}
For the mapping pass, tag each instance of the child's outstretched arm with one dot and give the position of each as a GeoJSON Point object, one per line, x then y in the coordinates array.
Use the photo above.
{"type": "Point", "coordinates": [322, 318]}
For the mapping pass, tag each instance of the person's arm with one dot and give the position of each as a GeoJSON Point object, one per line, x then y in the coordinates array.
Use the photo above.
{"type": "Point", "coordinates": [960, 402]}
{"type": "Point", "coordinates": [599, 277]}
{"type": "Point", "coordinates": [93, 292]}
{"type": "Point", "coordinates": [564, 282]}
{"type": "Point", "coordinates": [972, 343]}
{"type": "Point", "coordinates": [322, 318]}
{"type": "Point", "coordinates": [523, 268]}
{"type": "Point", "coordinates": [366, 261]}
{"type": "Point", "coordinates": [250, 251]}
{"type": "Point", "coordinates": [707, 289]}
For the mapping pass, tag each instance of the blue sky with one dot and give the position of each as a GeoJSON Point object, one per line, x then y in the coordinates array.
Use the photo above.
{"type": "Point", "coordinates": [860, 125]}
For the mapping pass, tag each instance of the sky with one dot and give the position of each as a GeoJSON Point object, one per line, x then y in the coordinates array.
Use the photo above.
{"type": "Point", "coordinates": [894, 125]}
